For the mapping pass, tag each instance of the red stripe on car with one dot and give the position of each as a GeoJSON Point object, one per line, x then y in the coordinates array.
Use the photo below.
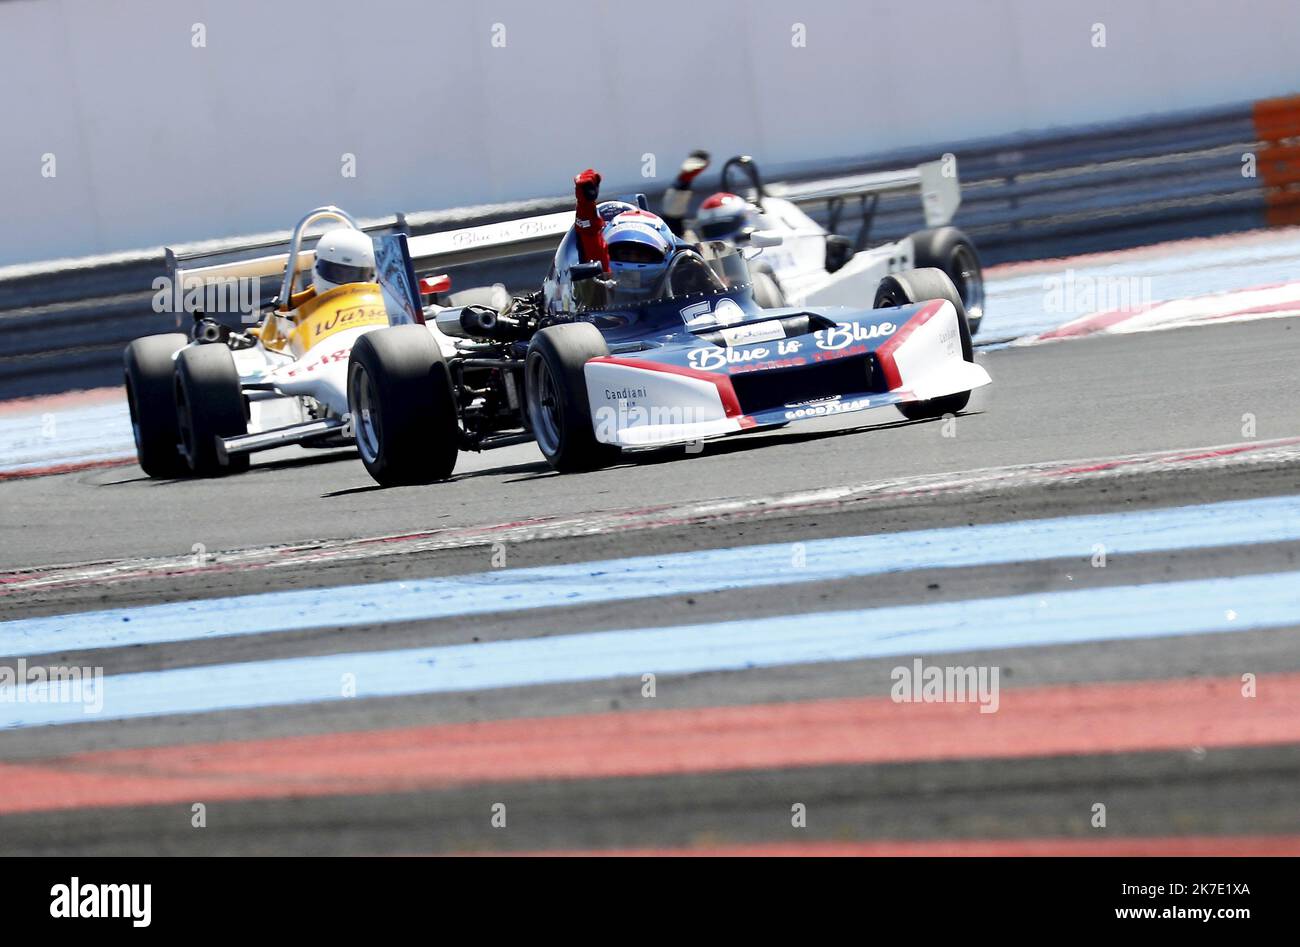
{"type": "Point", "coordinates": [885, 354]}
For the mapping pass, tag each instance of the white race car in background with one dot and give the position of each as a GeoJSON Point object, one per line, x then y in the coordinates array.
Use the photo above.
{"type": "Point", "coordinates": [813, 266]}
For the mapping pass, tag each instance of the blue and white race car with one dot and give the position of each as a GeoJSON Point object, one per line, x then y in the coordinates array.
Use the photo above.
{"type": "Point", "coordinates": [658, 347]}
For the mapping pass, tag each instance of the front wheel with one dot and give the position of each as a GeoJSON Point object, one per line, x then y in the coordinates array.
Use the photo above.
{"type": "Point", "coordinates": [917, 286]}
{"type": "Point", "coordinates": [209, 407]}
{"type": "Point", "coordinates": [403, 407]}
{"type": "Point", "coordinates": [559, 412]}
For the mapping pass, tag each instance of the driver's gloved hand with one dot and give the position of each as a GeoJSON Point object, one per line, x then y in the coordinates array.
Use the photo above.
{"type": "Point", "coordinates": [691, 168]}
{"type": "Point", "coordinates": [587, 185]}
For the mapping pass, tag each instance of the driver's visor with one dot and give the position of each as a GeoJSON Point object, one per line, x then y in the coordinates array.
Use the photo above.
{"type": "Point", "coordinates": [720, 229]}
{"type": "Point", "coordinates": [632, 251]}
{"type": "Point", "coordinates": [341, 274]}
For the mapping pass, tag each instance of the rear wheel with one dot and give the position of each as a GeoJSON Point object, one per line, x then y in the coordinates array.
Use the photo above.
{"type": "Point", "coordinates": [403, 407]}
{"type": "Point", "coordinates": [559, 413]}
{"type": "Point", "coordinates": [916, 286]}
{"type": "Point", "coordinates": [767, 291]}
{"type": "Point", "coordinates": [209, 407]}
{"type": "Point", "coordinates": [950, 250]}
{"type": "Point", "coordinates": [149, 376]}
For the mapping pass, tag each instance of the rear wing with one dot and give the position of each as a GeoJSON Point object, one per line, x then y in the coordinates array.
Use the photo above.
{"type": "Point", "coordinates": [242, 278]}
{"type": "Point", "coordinates": [194, 280]}
{"type": "Point", "coordinates": [507, 238]}
{"type": "Point", "coordinates": [937, 182]}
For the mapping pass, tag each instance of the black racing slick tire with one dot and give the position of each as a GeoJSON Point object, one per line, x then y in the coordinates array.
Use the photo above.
{"type": "Point", "coordinates": [403, 406]}
{"type": "Point", "coordinates": [916, 286]}
{"type": "Point", "coordinates": [559, 412]}
{"type": "Point", "coordinates": [950, 250]}
{"type": "Point", "coordinates": [209, 406]}
{"type": "Point", "coordinates": [148, 377]}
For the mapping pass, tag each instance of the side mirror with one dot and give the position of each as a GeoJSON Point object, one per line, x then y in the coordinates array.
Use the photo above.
{"type": "Point", "coordinates": [839, 250]}
{"type": "Point", "coordinates": [585, 271]}
{"type": "Point", "coordinates": [765, 238]}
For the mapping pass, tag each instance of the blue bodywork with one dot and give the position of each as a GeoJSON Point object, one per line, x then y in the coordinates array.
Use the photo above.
{"type": "Point", "coordinates": [783, 364]}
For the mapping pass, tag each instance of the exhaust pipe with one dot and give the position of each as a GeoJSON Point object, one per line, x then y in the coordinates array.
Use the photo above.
{"type": "Point", "coordinates": [479, 322]}
{"type": "Point", "coordinates": [206, 330]}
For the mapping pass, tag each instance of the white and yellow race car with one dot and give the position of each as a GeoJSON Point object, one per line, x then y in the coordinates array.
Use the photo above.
{"type": "Point", "coordinates": [202, 403]}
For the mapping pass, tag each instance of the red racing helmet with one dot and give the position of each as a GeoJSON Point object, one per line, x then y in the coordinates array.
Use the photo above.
{"type": "Point", "coordinates": [724, 216]}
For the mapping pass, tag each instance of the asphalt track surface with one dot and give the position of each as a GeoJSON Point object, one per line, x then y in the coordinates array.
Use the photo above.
{"type": "Point", "coordinates": [1149, 725]}
{"type": "Point", "coordinates": [1091, 398]}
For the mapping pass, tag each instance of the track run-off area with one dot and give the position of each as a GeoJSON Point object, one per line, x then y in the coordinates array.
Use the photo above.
{"type": "Point", "coordinates": [1066, 621]}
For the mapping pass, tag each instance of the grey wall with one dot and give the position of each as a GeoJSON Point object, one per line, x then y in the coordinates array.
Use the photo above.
{"type": "Point", "coordinates": [159, 142]}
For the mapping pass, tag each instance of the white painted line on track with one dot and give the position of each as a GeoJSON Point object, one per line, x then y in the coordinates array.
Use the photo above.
{"type": "Point", "coordinates": [1102, 614]}
{"type": "Point", "coordinates": [990, 479]}
{"type": "Point", "coordinates": [1231, 523]}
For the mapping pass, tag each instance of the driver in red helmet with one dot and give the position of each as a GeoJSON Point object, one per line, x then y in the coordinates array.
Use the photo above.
{"type": "Point", "coordinates": [721, 216]}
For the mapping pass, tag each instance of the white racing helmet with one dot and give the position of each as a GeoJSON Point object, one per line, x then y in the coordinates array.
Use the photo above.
{"type": "Point", "coordinates": [343, 256]}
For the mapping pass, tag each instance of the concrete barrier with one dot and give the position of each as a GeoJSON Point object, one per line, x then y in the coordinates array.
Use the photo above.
{"type": "Point", "coordinates": [64, 324]}
{"type": "Point", "coordinates": [128, 125]}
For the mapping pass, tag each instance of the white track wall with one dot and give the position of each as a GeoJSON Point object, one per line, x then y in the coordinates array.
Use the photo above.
{"type": "Point", "coordinates": [156, 141]}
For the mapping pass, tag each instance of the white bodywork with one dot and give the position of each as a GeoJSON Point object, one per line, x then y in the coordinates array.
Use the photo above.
{"type": "Point", "coordinates": [320, 374]}
{"type": "Point", "coordinates": [930, 362]}
{"type": "Point", "coordinates": [641, 407]}
{"type": "Point", "coordinates": [799, 263]}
